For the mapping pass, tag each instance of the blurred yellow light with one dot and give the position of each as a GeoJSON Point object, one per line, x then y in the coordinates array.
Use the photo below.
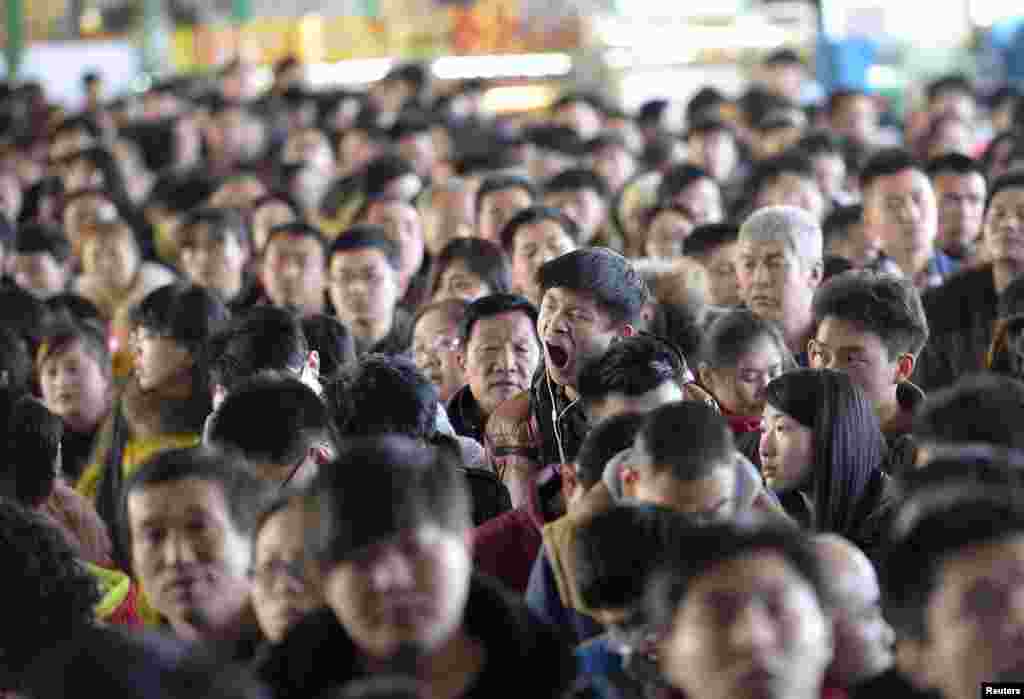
{"type": "Point", "coordinates": [518, 98]}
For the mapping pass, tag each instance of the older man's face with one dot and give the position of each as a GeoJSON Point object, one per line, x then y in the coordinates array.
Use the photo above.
{"type": "Point", "coordinates": [774, 282]}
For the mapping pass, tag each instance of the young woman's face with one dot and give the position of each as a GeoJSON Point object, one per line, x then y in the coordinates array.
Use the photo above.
{"type": "Point", "coordinates": [458, 282]}
{"type": "Point", "coordinates": [112, 258]}
{"type": "Point", "coordinates": [159, 360]}
{"type": "Point", "coordinates": [787, 450]}
{"type": "Point", "coordinates": [740, 389]}
{"type": "Point", "coordinates": [75, 387]}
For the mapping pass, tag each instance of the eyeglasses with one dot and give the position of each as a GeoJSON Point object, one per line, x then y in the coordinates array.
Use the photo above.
{"type": "Point", "coordinates": [436, 346]}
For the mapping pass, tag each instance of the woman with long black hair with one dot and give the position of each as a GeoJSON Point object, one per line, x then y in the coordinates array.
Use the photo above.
{"type": "Point", "coordinates": [822, 450]}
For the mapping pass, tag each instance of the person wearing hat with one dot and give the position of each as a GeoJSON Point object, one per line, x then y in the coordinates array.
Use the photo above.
{"type": "Point", "coordinates": [400, 589]}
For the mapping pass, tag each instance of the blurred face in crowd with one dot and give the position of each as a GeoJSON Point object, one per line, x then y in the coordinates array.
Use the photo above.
{"type": "Point", "coordinates": [961, 199]}
{"type": "Point", "coordinates": [584, 206]}
{"type": "Point", "coordinates": [787, 451]}
{"type": "Point", "coordinates": [574, 328]}
{"type": "Point", "coordinates": [830, 174]}
{"type": "Point", "coordinates": [459, 282]}
{"type": "Point", "coordinates": [401, 222]}
{"type": "Point", "coordinates": [1004, 227]}
{"type": "Point", "coordinates": [356, 149]}
{"type": "Point", "coordinates": [785, 80]}
{"type": "Point", "coordinates": [952, 136]}
{"type": "Point", "coordinates": [189, 555]}
{"type": "Point", "coordinates": [449, 216]}
{"type": "Point", "coordinates": [418, 149]}
{"type": "Point", "coordinates": [500, 358]}
{"type": "Point", "coordinates": [111, 257]}
{"type": "Point", "coordinates": [973, 619]}
{"type": "Point", "coordinates": [900, 211]}
{"type": "Point", "coordinates": [435, 351]}
{"type": "Point", "coordinates": [774, 282]}
{"type": "Point", "coordinates": [708, 499]}
{"type": "Point", "coordinates": [76, 387]}
{"type": "Point", "coordinates": [69, 141]}
{"type": "Point", "coordinates": [364, 290]}
{"type": "Point", "coordinates": [293, 272]}
{"type": "Point", "coordinates": [238, 193]}
{"type": "Point", "coordinates": [723, 282]}
{"type": "Point", "coordinates": [748, 627]}
{"type": "Point", "coordinates": [856, 118]}
{"type": "Point", "coordinates": [666, 235]}
{"type": "Point", "coordinates": [81, 173]}
{"type": "Point", "coordinates": [740, 389]}
{"type": "Point", "coordinates": [411, 588]}
{"type": "Point", "coordinates": [615, 164]}
{"type": "Point", "coordinates": [533, 245]}
{"type": "Point", "coordinates": [715, 152]}
{"type": "Point", "coordinates": [857, 247]}
{"type": "Point", "coordinates": [285, 584]}
{"type": "Point", "coordinates": [498, 208]}
{"type": "Point", "coordinates": [310, 145]}
{"type": "Point", "coordinates": [271, 214]}
{"type": "Point", "coordinates": [216, 262]}
{"type": "Point", "coordinates": [579, 116]}
{"type": "Point", "coordinates": [792, 189]}
{"type": "Point", "coordinates": [39, 273]}
{"type": "Point", "coordinates": [954, 103]}
{"type": "Point", "coordinates": [847, 347]}
{"type": "Point", "coordinates": [703, 199]}
{"type": "Point", "coordinates": [863, 638]}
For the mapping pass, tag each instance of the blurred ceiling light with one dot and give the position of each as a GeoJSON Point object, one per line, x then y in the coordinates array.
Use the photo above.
{"type": "Point", "coordinates": [518, 98]}
{"type": "Point", "coordinates": [526, 65]}
{"type": "Point", "coordinates": [354, 72]}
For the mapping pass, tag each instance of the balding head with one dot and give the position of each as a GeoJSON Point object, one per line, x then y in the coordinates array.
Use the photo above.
{"type": "Point", "coordinates": [789, 225]}
{"type": "Point", "coordinates": [864, 639]}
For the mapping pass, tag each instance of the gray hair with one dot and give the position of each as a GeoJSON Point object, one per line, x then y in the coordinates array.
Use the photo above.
{"type": "Point", "coordinates": [793, 227]}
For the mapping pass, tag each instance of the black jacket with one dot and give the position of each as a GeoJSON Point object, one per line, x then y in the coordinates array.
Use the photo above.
{"type": "Point", "coordinates": [523, 656]}
{"type": "Point", "coordinates": [465, 415]}
{"type": "Point", "coordinates": [961, 314]}
{"type": "Point", "coordinates": [563, 415]}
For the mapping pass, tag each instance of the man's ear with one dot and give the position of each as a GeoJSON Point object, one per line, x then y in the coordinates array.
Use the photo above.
{"type": "Point", "coordinates": [460, 357]}
{"type": "Point", "coordinates": [707, 379]}
{"type": "Point", "coordinates": [817, 274]}
{"type": "Point", "coordinates": [905, 367]}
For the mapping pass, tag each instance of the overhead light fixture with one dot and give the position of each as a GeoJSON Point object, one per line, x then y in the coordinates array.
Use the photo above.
{"type": "Point", "coordinates": [524, 65]}
{"type": "Point", "coordinates": [518, 98]}
{"type": "Point", "coordinates": [355, 72]}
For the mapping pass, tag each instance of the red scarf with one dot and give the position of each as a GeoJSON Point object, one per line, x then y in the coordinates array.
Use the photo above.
{"type": "Point", "coordinates": [742, 424]}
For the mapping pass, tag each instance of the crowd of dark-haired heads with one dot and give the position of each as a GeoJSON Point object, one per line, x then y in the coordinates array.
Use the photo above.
{"type": "Point", "coordinates": [374, 392]}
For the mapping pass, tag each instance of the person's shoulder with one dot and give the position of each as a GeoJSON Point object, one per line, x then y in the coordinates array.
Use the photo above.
{"type": "Point", "coordinates": [947, 305]}
{"type": "Point", "coordinates": [315, 654]}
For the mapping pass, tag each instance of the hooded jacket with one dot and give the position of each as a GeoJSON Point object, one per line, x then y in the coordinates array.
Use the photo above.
{"type": "Point", "coordinates": [522, 655]}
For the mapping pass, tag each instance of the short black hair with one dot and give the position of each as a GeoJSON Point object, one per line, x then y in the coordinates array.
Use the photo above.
{"type": "Point", "coordinates": [982, 408]}
{"type": "Point", "coordinates": [608, 276]}
{"type": "Point", "coordinates": [378, 487]}
{"type": "Point", "coordinates": [770, 169]}
{"type": "Point", "coordinates": [955, 164]}
{"type": "Point", "coordinates": [703, 101]}
{"type": "Point", "coordinates": [270, 418]}
{"type": "Point", "coordinates": [244, 494]}
{"type": "Point", "coordinates": [69, 307]}
{"type": "Point", "coordinates": [61, 336]}
{"type": "Point", "coordinates": [493, 305]}
{"type": "Point", "coordinates": [220, 222]}
{"type": "Point", "coordinates": [678, 178]}
{"type": "Point", "coordinates": [708, 125]}
{"type": "Point", "coordinates": [702, 549]}
{"type": "Point", "coordinates": [15, 362]}
{"type": "Point", "coordinates": [297, 229]}
{"type": "Point", "coordinates": [480, 257]}
{"type": "Point", "coordinates": [355, 398]}
{"type": "Point", "coordinates": [554, 137]}
{"type": "Point", "coordinates": [708, 237]}
{"type": "Point", "coordinates": [575, 179]}
{"type": "Point", "coordinates": [498, 183]}
{"type": "Point", "coordinates": [689, 438]}
{"type": "Point", "coordinates": [604, 440]}
{"type": "Point", "coordinates": [837, 223]}
{"type": "Point", "coordinates": [882, 304]}
{"type": "Point", "coordinates": [532, 215]}
{"type": "Point", "coordinates": [782, 57]}
{"type": "Point", "coordinates": [885, 163]}
{"type": "Point", "coordinates": [734, 333]}
{"type": "Point", "coordinates": [46, 238]}
{"type": "Point", "coordinates": [953, 82]}
{"type": "Point", "coordinates": [366, 235]}
{"type": "Point", "coordinates": [617, 550]}
{"type": "Point", "coordinates": [332, 340]}
{"type": "Point", "coordinates": [33, 443]}
{"type": "Point", "coordinates": [632, 366]}
{"type": "Point", "coordinates": [265, 338]}
{"type": "Point", "coordinates": [186, 313]}
{"type": "Point", "coordinates": [51, 591]}
{"type": "Point", "coordinates": [922, 542]}
{"type": "Point", "coordinates": [1010, 180]}
{"type": "Point", "coordinates": [820, 142]}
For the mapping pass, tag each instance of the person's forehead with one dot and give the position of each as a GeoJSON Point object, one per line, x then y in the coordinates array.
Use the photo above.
{"type": "Point", "coordinates": [839, 333]}
{"type": "Point", "coordinates": [359, 258]}
{"type": "Point", "coordinates": [763, 353]}
{"type": "Point", "coordinates": [293, 243]}
{"type": "Point", "coordinates": [432, 323]}
{"type": "Point", "coordinates": [506, 324]}
{"type": "Point", "coordinates": [512, 193]}
{"type": "Point", "coordinates": [994, 559]}
{"type": "Point", "coordinates": [177, 498]}
{"type": "Point", "coordinates": [1009, 196]}
{"type": "Point", "coordinates": [575, 297]}
{"type": "Point", "coordinates": [763, 248]}
{"type": "Point", "coordinates": [752, 572]}
{"type": "Point", "coordinates": [909, 179]}
{"type": "Point", "coordinates": [539, 230]}
{"type": "Point", "coordinates": [959, 181]}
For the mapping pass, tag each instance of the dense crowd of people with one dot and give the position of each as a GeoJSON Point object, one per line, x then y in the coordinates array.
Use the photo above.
{"type": "Point", "coordinates": [378, 394]}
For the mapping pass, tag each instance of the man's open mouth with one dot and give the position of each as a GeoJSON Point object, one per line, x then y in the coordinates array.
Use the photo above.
{"type": "Point", "coordinates": [558, 356]}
